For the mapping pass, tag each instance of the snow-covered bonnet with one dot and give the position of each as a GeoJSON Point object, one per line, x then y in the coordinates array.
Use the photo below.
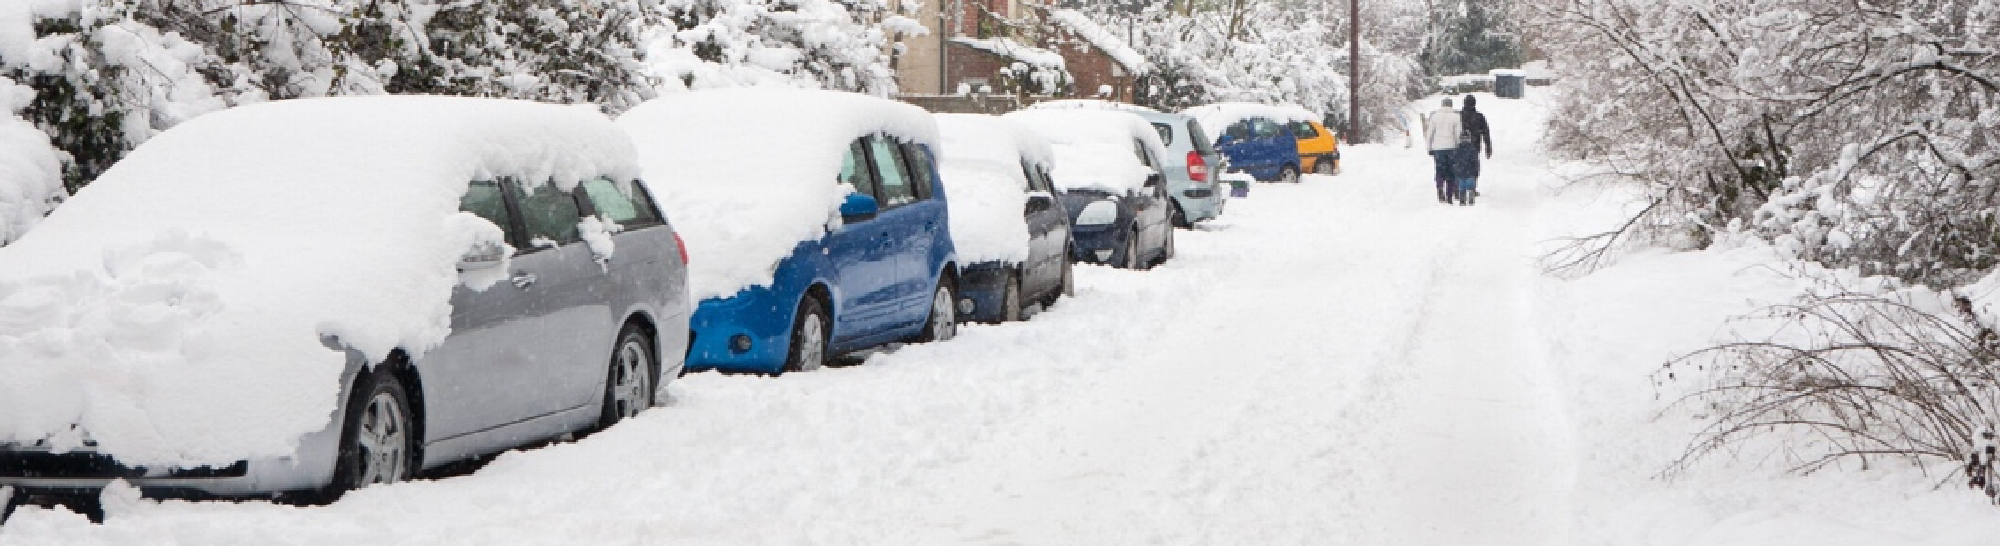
{"type": "Point", "coordinates": [1215, 118]}
{"type": "Point", "coordinates": [981, 159]}
{"type": "Point", "coordinates": [174, 308]}
{"type": "Point", "coordinates": [1093, 148]}
{"type": "Point", "coordinates": [748, 174]}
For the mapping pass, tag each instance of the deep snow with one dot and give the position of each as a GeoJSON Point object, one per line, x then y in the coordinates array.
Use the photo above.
{"type": "Point", "coordinates": [1342, 361]}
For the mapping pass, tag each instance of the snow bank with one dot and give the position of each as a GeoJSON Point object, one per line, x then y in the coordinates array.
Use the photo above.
{"type": "Point", "coordinates": [980, 162]}
{"type": "Point", "coordinates": [748, 174]}
{"type": "Point", "coordinates": [1215, 118]}
{"type": "Point", "coordinates": [30, 169]}
{"type": "Point", "coordinates": [1093, 148]}
{"type": "Point", "coordinates": [174, 309]}
{"type": "Point", "coordinates": [1104, 40]}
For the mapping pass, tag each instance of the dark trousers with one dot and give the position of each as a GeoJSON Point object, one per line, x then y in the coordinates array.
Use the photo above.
{"type": "Point", "coordinates": [1446, 180]}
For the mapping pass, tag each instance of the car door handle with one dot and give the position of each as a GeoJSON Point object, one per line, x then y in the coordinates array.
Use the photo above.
{"type": "Point", "coordinates": [525, 280]}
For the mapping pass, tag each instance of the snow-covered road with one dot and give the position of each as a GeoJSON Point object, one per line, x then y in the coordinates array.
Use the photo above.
{"type": "Point", "coordinates": [1341, 361]}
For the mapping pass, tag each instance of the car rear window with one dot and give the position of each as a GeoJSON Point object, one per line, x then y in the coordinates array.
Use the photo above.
{"type": "Point", "coordinates": [1201, 141]}
{"type": "Point", "coordinates": [625, 204]}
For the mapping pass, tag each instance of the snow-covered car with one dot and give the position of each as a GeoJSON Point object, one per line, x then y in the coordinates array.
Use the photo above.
{"type": "Point", "coordinates": [841, 244]}
{"type": "Point", "coordinates": [309, 296]}
{"type": "Point", "coordinates": [1108, 176]}
{"type": "Point", "coordinates": [1009, 230]}
{"type": "Point", "coordinates": [1257, 138]}
{"type": "Point", "coordinates": [1191, 161]}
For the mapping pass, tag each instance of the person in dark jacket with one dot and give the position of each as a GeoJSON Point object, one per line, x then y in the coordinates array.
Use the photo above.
{"type": "Point", "coordinates": [1473, 135]}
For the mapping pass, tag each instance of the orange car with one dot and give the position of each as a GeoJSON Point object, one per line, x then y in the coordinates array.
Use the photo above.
{"type": "Point", "coordinates": [1318, 149]}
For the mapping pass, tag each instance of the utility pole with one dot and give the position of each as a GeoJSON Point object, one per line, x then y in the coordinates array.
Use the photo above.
{"type": "Point", "coordinates": [1353, 70]}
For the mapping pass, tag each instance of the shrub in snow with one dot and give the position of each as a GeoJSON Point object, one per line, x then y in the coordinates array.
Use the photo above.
{"type": "Point", "coordinates": [820, 44]}
{"type": "Point", "coordinates": [30, 171]}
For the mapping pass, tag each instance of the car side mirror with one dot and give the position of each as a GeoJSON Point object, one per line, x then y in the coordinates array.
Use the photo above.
{"type": "Point", "coordinates": [483, 255]}
{"type": "Point", "coordinates": [858, 208]}
{"type": "Point", "coordinates": [1152, 180]}
{"type": "Point", "coordinates": [1226, 140]}
{"type": "Point", "coordinates": [1038, 202]}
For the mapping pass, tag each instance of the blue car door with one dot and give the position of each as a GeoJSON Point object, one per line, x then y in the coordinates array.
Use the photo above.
{"type": "Point", "coordinates": [913, 219]}
{"type": "Point", "coordinates": [863, 256]}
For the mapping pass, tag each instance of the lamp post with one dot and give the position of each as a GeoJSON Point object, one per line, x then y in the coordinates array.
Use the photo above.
{"type": "Point", "coordinates": [1353, 70]}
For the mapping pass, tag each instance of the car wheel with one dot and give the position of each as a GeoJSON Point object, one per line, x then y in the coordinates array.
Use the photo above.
{"type": "Point", "coordinates": [628, 389]}
{"type": "Point", "coordinates": [1179, 217]}
{"type": "Point", "coordinates": [943, 323]}
{"type": "Point", "coordinates": [1323, 166]}
{"type": "Point", "coordinates": [1288, 174]}
{"type": "Point", "coordinates": [377, 439]}
{"type": "Point", "coordinates": [1010, 302]}
{"type": "Point", "coordinates": [809, 333]}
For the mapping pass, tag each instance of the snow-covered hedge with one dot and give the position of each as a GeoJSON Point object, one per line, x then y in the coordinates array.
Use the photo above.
{"type": "Point", "coordinates": [30, 170]}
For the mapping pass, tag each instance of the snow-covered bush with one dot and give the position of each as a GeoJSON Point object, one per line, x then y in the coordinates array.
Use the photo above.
{"type": "Point", "coordinates": [815, 44]}
{"type": "Point", "coordinates": [30, 169]}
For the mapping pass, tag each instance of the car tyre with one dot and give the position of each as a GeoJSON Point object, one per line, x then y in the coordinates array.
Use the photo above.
{"type": "Point", "coordinates": [1324, 166]}
{"type": "Point", "coordinates": [628, 388]}
{"type": "Point", "coordinates": [378, 440]}
{"type": "Point", "coordinates": [1288, 174]}
{"type": "Point", "coordinates": [1179, 217]}
{"type": "Point", "coordinates": [1068, 287]}
{"type": "Point", "coordinates": [943, 322]}
{"type": "Point", "coordinates": [809, 337]}
{"type": "Point", "coordinates": [1167, 251]}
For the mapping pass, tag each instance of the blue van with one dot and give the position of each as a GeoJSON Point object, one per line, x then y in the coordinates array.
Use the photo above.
{"type": "Point", "coordinates": [1257, 138]}
{"type": "Point", "coordinates": [841, 245]}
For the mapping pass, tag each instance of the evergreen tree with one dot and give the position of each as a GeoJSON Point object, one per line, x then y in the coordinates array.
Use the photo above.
{"type": "Point", "coordinates": [1471, 37]}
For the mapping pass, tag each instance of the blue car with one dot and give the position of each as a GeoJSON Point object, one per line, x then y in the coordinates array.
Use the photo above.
{"type": "Point", "coordinates": [1108, 177]}
{"type": "Point", "coordinates": [1006, 223]}
{"type": "Point", "coordinates": [839, 243]}
{"type": "Point", "coordinates": [1257, 138]}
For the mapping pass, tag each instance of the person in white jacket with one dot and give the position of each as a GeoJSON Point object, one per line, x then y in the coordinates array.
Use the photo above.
{"type": "Point", "coordinates": [1441, 130]}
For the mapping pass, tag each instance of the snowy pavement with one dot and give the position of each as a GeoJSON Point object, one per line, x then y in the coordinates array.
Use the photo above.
{"type": "Point", "coordinates": [1344, 361]}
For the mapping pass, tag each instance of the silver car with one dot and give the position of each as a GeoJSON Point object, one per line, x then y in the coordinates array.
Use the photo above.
{"type": "Point", "coordinates": [581, 319]}
{"type": "Point", "coordinates": [1192, 164]}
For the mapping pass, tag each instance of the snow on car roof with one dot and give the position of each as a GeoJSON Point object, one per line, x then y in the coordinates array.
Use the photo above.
{"type": "Point", "coordinates": [173, 310]}
{"type": "Point", "coordinates": [980, 163]}
{"type": "Point", "coordinates": [747, 174]}
{"type": "Point", "coordinates": [1093, 148]}
{"type": "Point", "coordinates": [1214, 118]}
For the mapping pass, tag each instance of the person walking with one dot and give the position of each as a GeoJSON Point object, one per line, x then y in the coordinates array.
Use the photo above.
{"type": "Point", "coordinates": [1473, 132]}
{"type": "Point", "coordinates": [1442, 130]}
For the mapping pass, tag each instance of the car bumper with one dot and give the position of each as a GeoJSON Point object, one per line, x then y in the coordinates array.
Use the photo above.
{"type": "Point", "coordinates": [982, 291]}
{"type": "Point", "coordinates": [33, 471]}
{"type": "Point", "coordinates": [720, 325]}
{"type": "Point", "coordinates": [1100, 244]}
{"type": "Point", "coordinates": [1201, 203]}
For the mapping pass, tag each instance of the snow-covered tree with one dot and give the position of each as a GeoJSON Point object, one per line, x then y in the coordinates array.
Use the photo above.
{"type": "Point", "coordinates": [1471, 37]}
{"type": "Point", "coordinates": [30, 169]}
{"type": "Point", "coordinates": [828, 44]}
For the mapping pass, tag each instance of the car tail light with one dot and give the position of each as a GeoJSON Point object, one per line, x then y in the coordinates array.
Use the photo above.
{"type": "Point", "coordinates": [683, 246]}
{"type": "Point", "coordinates": [1197, 167]}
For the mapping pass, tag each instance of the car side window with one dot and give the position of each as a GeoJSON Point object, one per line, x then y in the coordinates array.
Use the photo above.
{"type": "Point", "coordinates": [1304, 130]}
{"type": "Point", "coordinates": [1264, 128]}
{"type": "Point", "coordinates": [895, 189]}
{"type": "Point", "coordinates": [550, 216]}
{"type": "Point", "coordinates": [487, 199]}
{"type": "Point", "coordinates": [1037, 180]}
{"type": "Point", "coordinates": [1239, 130]}
{"type": "Point", "coordinates": [623, 203]}
{"type": "Point", "coordinates": [854, 169]}
{"type": "Point", "coordinates": [921, 171]}
{"type": "Point", "coordinates": [1166, 133]}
